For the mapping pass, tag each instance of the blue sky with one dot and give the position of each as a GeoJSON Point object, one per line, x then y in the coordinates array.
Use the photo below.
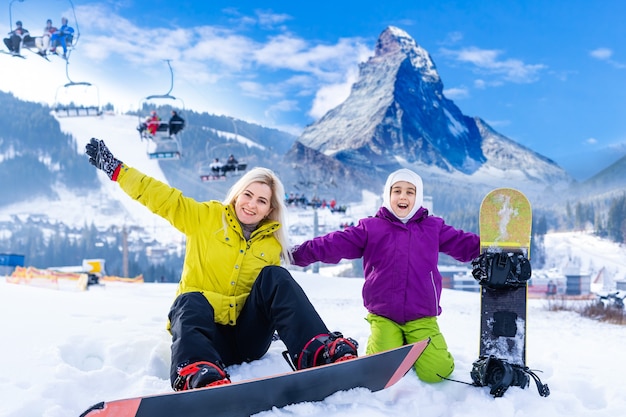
{"type": "Point", "coordinates": [547, 74]}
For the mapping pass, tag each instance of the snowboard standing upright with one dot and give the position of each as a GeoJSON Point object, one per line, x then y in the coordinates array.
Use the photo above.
{"type": "Point", "coordinates": [505, 224]}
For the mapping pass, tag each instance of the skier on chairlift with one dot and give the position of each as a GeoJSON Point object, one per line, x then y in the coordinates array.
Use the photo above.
{"type": "Point", "coordinates": [153, 122]}
{"type": "Point", "coordinates": [176, 123]}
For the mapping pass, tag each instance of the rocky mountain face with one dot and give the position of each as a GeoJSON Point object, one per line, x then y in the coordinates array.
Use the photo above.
{"type": "Point", "coordinates": [397, 116]}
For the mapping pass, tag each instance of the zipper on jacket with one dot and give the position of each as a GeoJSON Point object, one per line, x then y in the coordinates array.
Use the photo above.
{"type": "Point", "coordinates": [432, 282]}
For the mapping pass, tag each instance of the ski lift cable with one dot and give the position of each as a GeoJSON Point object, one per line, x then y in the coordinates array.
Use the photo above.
{"type": "Point", "coordinates": [11, 14]}
{"type": "Point", "coordinates": [210, 151]}
{"type": "Point", "coordinates": [77, 30]}
{"type": "Point", "coordinates": [76, 36]}
{"type": "Point", "coordinates": [93, 108]}
{"type": "Point", "coordinates": [71, 82]}
{"type": "Point", "coordinates": [168, 94]}
{"type": "Point", "coordinates": [179, 103]}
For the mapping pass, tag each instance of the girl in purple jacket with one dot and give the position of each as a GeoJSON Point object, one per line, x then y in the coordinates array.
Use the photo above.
{"type": "Point", "coordinates": [400, 248]}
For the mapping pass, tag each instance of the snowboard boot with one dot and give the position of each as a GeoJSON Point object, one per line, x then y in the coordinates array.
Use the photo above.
{"type": "Point", "coordinates": [199, 375]}
{"type": "Point", "coordinates": [327, 348]}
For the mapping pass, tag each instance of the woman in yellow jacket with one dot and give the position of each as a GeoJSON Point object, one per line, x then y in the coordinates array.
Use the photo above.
{"type": "Point", "coordinates": [233, 294]}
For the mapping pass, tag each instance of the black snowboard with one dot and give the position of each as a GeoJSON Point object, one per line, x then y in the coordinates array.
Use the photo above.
{"type": "Point", "coordinates": [374, 372]}
{"type": "Point", "coordinates": [505, 228]}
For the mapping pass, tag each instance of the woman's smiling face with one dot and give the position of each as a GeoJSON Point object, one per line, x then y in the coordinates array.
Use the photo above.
{"type": "Point", "coordinates": [254, 203]}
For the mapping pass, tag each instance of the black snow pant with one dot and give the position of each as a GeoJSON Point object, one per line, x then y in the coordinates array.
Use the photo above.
{"type": "Point", "coordinates": [276, 303]}
{"type": "Point", "coordinates": [13, 43]}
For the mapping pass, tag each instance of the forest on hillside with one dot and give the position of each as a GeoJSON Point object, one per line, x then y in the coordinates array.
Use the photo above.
{"type": "Point", "coordinates": [35, 157]}
{"type": "Point", "coordinates": [46, 245]}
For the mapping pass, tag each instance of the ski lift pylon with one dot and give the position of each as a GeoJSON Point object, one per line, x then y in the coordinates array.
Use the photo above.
{"type": "Point", "coordinates": [161, 140]}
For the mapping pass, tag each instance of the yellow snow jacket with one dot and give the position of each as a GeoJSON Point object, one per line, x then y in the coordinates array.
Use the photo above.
{"type": "Point", "coordinates": [219, 262]}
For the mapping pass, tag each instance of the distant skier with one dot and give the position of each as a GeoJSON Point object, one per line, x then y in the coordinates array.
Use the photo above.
{"type": "Point", "coordinates": [143, 127]}
{"type": "Point", "coordinates": [231, 164]}
{"type": "Point", "coordinates": [176, 123]}
{"type": "Point", "coordinates": [43, 42]}
{"type": "Point", "coordinates": [16, 37]}
{"type": "Point", "coordinates": [217, 167]}
{"type": "Point", "coordinates": [153, 122]}
{"type": "Point", "coordinates": [64, 37]}
{"type": "Point", "coordinates": [400, 248]}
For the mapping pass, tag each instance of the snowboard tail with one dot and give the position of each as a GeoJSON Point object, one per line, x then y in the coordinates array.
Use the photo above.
{"type": "Point", "coordinates": [374, 372]}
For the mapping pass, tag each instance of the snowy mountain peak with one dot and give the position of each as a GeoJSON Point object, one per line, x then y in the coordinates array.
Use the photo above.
{"type": "Point", "coordinates": [394, 40]}
{"type": "Point", "coordinates": [397, 116]}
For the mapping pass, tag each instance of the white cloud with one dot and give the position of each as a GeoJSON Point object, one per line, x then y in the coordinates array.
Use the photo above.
{"type": "Point", "coordinates": [606, 54]}
{"type": "Point", "coordinates": [282, 106]}
{"type": "Point", "coordinates": [327, 62]}
{"type": "Point", "coordinates": [452, 38]}
{"type": "Point", "coordinates": [259, 90]}
{"type": "Point", "coordinates": [456, 93]}
{"type": "Point", "coordinates": [267, 18]}
{"type": "Point", "coordinates": [480, 84]}
{"type": "Point", "coordinates": [618, 147]}
{"type": "Point", "coordinates": [331, 95]}
{"type": "Point", "coordinates": [498, 123]}
{"type": "Point", "coordinates": [601, 53]}
{"type": "Point", "coordinates": [488, 61]}
{"type": "Point", "coordinates": [216, 53]}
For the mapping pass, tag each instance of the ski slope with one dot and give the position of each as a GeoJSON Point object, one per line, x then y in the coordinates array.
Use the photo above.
{"type": "Point", "coordinates": [121, 137]}
{"type": "Point", "coordinates": [64, 351]}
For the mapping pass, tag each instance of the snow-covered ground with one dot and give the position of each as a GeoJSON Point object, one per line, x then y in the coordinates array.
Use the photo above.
{"type": "Point", "coordinates": [64, 351]}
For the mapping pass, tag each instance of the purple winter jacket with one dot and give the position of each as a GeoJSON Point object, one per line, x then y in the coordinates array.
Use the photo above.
{"type": "Point", "coordinates": [402, 282]}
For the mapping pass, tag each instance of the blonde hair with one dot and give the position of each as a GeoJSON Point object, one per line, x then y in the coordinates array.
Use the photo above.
{"type": "Point", "coordinates": [277, 202]}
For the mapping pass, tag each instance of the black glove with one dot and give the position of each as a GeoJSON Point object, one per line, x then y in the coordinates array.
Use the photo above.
{"type": "Point", "coordinates": [101, 157]}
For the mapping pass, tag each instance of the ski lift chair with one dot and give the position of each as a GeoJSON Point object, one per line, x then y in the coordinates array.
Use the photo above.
{"type": "Point", "coordinates": [212, 172]}
{"type": "Point", "coordinates": [77, 91]}
{"type": "Point", "coordinates": [162, 145]}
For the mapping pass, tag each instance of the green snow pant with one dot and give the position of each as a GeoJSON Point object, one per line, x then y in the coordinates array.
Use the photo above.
{"type": "Point", "coordinates": [436, 362]}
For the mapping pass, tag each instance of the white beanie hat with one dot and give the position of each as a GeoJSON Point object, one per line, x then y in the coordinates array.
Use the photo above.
{"type": "Point", "coordinates": [410, 177]}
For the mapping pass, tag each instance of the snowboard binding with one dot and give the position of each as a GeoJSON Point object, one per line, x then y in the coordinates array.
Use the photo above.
{"type": "Point", "coordinates": [200, 374]}
{"type": "Point", "coordinates": [501, 269]}
{"type": "Point", "coordinates": [324, 349]}
{"type": "Point", "coordinates": [499, 375]}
